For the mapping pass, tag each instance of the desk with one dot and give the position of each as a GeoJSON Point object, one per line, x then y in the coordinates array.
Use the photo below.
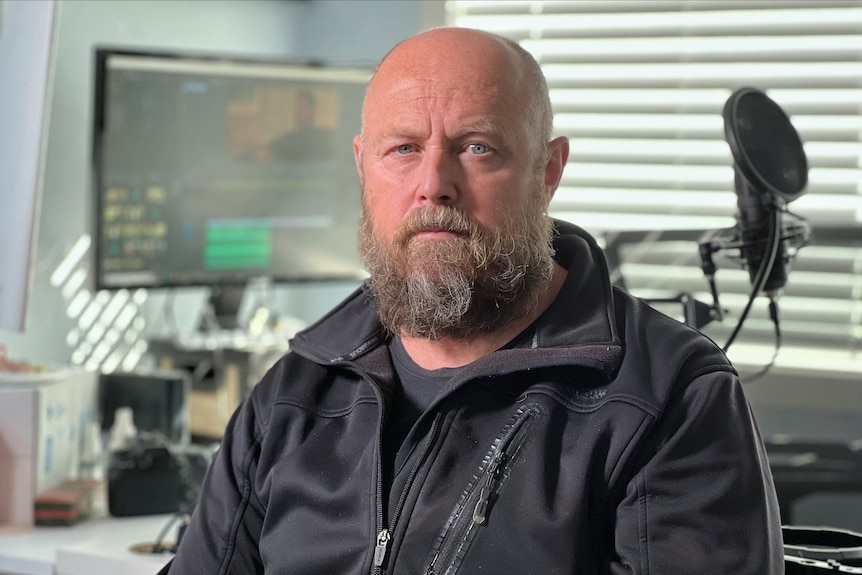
{"type": "Point", "coordinates": [224, 367]}
{"type": "Point", "coordinates": [98, 546]}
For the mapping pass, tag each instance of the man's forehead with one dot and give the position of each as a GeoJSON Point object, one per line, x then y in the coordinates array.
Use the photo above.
{"type": "Point", "coordinates": [453, 87]}
{"type": "Point", "coordinates": [418, 95]}
{"type": "Point", "coordinates": [427, 115]}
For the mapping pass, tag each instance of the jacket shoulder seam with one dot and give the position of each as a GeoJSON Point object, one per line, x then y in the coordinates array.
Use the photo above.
{"type": "Point", "coordinates": [325, 412]}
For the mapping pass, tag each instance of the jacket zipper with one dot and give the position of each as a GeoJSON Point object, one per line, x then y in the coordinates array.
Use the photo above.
{"type": "Point", "coordinates": [384, 534]}
{"type": "Point", "coordinates": [472, 511]}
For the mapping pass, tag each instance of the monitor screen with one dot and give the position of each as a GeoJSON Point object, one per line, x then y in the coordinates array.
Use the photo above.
{"type": "Point", "coordinates": [212, 171]}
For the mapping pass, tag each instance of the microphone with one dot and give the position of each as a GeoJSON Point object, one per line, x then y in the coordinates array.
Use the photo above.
{"type": "Point", "coordinates": [770, 171]}
{"type": "Point", "coordinates": [758, 219]}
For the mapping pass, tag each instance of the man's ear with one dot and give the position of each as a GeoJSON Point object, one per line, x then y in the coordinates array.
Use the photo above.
{"type": "Point", "coordinates": [558, 155]}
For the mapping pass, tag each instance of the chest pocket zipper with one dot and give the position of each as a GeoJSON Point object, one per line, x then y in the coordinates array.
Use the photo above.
{"type": "Point", "coordinates": [477, 500]}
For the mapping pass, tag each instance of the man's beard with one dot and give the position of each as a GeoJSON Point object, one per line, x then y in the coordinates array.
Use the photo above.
{"type": "Point", "coordinates": [475, 282]}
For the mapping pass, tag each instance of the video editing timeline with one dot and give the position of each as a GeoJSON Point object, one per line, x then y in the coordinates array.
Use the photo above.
{"type": "Point", "coordinates": [135, 235]}
{"type": "Point", "coordinates": [134, 230]}
{"type": "Point", "coordinates": [139, 236]}
{"type": "Point", "coordinates": [216, 172]}
{"type": "Point", "coordinates": [231, 247]}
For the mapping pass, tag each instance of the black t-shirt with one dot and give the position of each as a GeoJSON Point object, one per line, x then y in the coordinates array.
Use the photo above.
{"type": "Point", "coordinates": [417, 389]}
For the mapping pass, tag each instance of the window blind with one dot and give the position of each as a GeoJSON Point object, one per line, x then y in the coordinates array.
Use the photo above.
{"type": "Point", "coordinates": [639, 88]}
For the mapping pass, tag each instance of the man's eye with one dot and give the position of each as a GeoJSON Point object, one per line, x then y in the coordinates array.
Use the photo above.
{"type": "Point", "coordinates": [404, 149]}
{"type": "Point", "coordinates": [479, 149]}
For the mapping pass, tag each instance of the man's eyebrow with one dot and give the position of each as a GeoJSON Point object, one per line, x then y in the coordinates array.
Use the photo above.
{"type": "Point", "coordinates": [399, 134]}
{"type": "Point", "coordinates": [483, 127]}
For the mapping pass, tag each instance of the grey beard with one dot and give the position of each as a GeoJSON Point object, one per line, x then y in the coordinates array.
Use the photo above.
{"type": "Point", "coordinates": [476, 282]}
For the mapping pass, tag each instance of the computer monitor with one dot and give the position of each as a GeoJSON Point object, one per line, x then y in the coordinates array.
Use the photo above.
{"type": "Point", "coordinates": [213, 171]}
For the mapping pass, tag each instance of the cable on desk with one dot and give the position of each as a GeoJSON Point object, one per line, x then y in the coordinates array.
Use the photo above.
{"type": "Point", "coordinates": [157, 545]}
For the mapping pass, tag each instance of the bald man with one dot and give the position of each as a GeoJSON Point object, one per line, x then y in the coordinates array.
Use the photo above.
{"type": "Point", "coordinates": [487, 402]}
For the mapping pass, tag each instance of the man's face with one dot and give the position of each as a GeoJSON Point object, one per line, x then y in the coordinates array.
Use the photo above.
{"type": "Point", "coordinates": [453, 192]}
{"type": "Point", "coordinates": [459, 138]}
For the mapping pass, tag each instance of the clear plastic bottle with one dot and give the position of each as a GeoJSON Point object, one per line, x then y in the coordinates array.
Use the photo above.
{"type": "Point", "coordinates": [92, 453]}
{"type": "Point", "coordinates": [123, 431]}
{"type": "Point", "coordinates": [93, 459]}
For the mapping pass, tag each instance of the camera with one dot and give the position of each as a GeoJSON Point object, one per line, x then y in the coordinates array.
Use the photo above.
{"type": "Point", "coordinates": [152, 476]}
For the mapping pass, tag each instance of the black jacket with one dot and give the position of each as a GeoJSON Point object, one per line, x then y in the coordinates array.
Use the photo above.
{"type": "Point", "coordinates": [616, 441]}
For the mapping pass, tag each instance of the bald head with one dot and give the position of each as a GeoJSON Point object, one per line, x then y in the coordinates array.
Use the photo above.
{"type": "Point", "coordinates": [466, 57]}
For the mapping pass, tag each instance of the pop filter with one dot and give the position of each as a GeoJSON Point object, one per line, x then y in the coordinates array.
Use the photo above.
{"type": "Point", "coordinates": [765, 146]}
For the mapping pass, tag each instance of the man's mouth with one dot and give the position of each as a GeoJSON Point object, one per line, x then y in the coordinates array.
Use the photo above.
{"type": "Point", "coordinates": [437, 230]}
{"type": "Point", "coordinates": [442, 230]}
{"type": "Point", "coordinates": [439, 233]}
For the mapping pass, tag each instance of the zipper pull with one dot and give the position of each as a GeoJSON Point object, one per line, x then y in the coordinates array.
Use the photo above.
{"type": "Point", "coordinates": [480, 512]}
{"type": "Point", "coordinates": [380, 549]}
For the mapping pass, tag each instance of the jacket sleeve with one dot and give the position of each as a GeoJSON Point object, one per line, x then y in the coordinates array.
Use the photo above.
{"type": "Point", "coordinates": [701, 497]}
{"type": "Point", "coordinates": [223, 534]}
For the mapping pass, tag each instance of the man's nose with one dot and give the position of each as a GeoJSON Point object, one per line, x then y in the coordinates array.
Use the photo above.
{"type": "Point", "coordinates": [437, 180]}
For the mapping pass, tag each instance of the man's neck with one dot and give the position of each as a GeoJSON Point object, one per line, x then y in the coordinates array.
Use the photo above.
{"type": "Point", "coordinates": [456, 352]}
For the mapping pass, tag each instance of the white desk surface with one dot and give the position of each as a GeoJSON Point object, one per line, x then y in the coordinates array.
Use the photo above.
{"type": "Point", "coordinates": [97, 546]}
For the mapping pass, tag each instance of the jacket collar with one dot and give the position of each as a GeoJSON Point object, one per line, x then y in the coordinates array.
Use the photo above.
{"type": "Point", "coordinates": [578, 328]}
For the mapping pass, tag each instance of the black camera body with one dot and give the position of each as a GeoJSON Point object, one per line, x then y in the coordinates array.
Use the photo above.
{"type": "Point", "coordinates": [151, 476]}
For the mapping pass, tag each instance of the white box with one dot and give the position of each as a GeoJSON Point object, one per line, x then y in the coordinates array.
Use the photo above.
{"type": "Point", "coordinates": [42, 419]}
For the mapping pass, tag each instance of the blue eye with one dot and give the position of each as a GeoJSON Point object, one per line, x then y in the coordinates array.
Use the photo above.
{"type": "Point", "coordinates": [479, 149]}
{"type": "Point", "coordinates": [404, 149]}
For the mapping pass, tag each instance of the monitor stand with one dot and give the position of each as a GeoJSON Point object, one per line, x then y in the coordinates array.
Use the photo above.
{"type": "Point", "coordinates": [224, 304]}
